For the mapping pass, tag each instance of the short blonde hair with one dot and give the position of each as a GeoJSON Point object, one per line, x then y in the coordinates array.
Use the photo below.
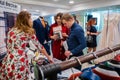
{"type": "Point", "coordinates": [67, 17]}
{"type": "Point", "coordinates": [22, 23]}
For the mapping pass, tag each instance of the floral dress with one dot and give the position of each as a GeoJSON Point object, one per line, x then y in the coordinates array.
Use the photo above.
{"type": "Point", "coordinates": [15, 64]}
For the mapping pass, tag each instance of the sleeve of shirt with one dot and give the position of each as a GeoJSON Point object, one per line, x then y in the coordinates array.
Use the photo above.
{"type": "Point", "coordinates": [81, 40]}
{"type": "Point", "coordinates": [36, 42]}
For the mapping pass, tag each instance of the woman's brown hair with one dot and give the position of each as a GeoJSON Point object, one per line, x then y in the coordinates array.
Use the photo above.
{"type": "Point", "coordinates": [22, 23]}
{"type": "Point", "coordinates": [91, 22]}
{"type": "Point", "coordinates": [58, 15]}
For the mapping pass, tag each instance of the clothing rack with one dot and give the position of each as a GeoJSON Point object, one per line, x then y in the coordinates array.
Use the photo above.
{"type": "Point", "coordinates": [50, 71]}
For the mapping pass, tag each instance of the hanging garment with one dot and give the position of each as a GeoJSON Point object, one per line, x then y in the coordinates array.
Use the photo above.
{"type": "Point", "coordinates": [110, 35]}
{"type": "Point", "coordinates": [109, 70]}
{"type": "Point", "coordinates": [85, 74]}
{"type": "Point", "coordinates": [88, 74]}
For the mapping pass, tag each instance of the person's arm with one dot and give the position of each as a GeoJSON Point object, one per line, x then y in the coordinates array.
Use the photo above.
{"type": "Point", "coordinates": [87, 30]}
{"type": "Point", "coordinates": [97, 33]}
{"type": "Point", "coordinates": [81, 39]}
{"type": "Point", "coordinates": [94, 32]}
{"type": "Point", "coordinates": [41, 48]}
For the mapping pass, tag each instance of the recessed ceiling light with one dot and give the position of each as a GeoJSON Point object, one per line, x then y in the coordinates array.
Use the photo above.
{"type": "Point", "coordinates": [56, 0]}
{"type": "Point", "coordinates": [71, 2]}
{"type": "Point", "coordinates": [37, 10]}
{"type": "Point", "coordinates": [24, 9]}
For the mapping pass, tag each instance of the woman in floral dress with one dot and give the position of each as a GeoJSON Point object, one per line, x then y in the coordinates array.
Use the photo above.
{"type": "Point", "coordinates": [15, 64]}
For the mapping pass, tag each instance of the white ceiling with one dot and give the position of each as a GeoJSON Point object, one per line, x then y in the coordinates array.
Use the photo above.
{"type": "Point", "coordinates": [50, 7]}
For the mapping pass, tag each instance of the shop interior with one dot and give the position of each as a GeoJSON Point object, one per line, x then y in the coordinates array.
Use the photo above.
{"type": "Point", "coordinates": [107, 15]}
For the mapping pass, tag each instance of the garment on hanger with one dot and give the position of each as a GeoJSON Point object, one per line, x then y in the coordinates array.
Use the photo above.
{"type": "Point", "coordinates": [110, 34]}
{"type": "Point", "coordinates": [42, 32]}
{"type": "Point", "coordinates": [85, 74]}
{"type": "Point", "coordinates": [109, 70]}
{"type": "Point", "coordinates": [42, 21]}
{"type": "Point", "coordinates": [88, 74]}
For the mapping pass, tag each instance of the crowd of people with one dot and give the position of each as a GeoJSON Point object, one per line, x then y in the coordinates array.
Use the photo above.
{"type": "Point", "coordinates": [15, 64]}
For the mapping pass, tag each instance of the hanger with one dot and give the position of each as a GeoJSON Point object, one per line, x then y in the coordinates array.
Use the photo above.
{"type": "Point", "coordinates": [41, 17]}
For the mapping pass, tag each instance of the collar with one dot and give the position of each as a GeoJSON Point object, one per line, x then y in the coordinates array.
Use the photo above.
{"type": "Point", "coordinates": [41, 19]}
{"type": "Point", "coordinates": [73, 25]}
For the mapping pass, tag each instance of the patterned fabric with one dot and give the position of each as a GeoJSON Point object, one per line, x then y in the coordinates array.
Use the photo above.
{"type": "Point", "coordinates": [15, 64]}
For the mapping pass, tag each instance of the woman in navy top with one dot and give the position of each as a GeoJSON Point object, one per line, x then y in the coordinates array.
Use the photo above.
{"type": "Point", "coordinates": [91, 30]}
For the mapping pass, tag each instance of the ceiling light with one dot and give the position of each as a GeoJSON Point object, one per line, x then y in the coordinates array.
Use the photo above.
{"type": "Point", "coordinates": [24, 9]}
{"type": "Point", "coordinates": [56, 0]}
{"type": "Point", "coordinates": [37, 10]}
{"type": "Point", "coordinates": [71, 2]}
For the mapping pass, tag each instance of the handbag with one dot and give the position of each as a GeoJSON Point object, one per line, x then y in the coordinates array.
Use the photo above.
{"type": "Point", "coordinates": [89, 39]}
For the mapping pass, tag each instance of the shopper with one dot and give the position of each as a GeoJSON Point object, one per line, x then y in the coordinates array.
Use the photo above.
{"type": "Point", "coordinates": [42, 32]}
{"type": "Point", "coordinates": [92, 32]}
{"type": "Point", "coordinates": [15, 64]}
{"type": "Point", "coordinates": [76, 40]}
{"type": "Point", "coordinates": [58, 34]}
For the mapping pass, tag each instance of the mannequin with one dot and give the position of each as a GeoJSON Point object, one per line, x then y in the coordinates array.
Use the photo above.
{"type": "Point", "coordinates": [42, 30]}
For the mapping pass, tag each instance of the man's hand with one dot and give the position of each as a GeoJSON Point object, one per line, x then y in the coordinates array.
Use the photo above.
{"type": "Point", "coordinates": [68, 53]}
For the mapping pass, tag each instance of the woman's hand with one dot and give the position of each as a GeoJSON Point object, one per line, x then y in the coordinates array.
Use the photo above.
{"type": "Point", "coordinates": [54, 37]}
{"type": "Point", "coordinates": [50, 59]}
{"type": "Point", "coordinates": [88, 32]}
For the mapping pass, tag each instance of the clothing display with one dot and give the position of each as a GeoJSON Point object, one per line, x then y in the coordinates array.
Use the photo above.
{"type": "Point", "coordinates": [42, 32]}
{"type": "Point", "coordinates": [82, 40]}
{"type": "Point", "coordinates": [108, 70]}
{"type": "Point", "coordinates": [89, 75]}
{"type": "Point", "coordinates": [110, 35]}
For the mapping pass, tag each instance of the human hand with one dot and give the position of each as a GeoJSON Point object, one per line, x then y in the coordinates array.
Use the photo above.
{"type": "Point", "coordinates": [55, 36]}
{"type": "Point", "coordinates": [67, 54]}
{"type": "Point", "coordinates": [50, 59]}
{"type": "Point", "coordinates": [88, 32]}
{"type": "Point", "coordinates": [64, 35]}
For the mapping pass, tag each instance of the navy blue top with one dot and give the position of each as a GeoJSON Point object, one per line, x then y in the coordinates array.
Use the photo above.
{"type": "Point", "coordinates": [76, 41]}
{"type": "Point", "coordinates": [94, 42]}
{"type": "Point", "coordinates": [41, 32]}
